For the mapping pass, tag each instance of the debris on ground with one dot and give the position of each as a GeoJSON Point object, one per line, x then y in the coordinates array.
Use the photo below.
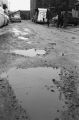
{"type": "Point", "coordinates": [69, 81]}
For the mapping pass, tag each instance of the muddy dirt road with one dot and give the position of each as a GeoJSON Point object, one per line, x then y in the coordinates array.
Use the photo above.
{"type": "Point", "coordinates": [39, 72]}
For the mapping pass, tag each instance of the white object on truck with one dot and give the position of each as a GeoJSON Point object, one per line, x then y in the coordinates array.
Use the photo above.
{"type": "Point", "coordinates": [42, 15]}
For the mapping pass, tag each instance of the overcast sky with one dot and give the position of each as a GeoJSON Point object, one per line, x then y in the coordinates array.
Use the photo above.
{"type": "Point", "coordinates": [19, 5]}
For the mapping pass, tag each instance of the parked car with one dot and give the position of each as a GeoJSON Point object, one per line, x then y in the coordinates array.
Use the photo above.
{"type": "Point", "coordinates": [15, 17]}
{"type": "Point", "coordinates": [4, 19]}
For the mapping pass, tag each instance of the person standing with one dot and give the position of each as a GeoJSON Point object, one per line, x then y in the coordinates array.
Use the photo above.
{"type": "Point", "coordinates": [65, 19]}
{"type": "Point", "coordinates": [48, 16]}
{"type": "Point", "coordinates": [59, 19]}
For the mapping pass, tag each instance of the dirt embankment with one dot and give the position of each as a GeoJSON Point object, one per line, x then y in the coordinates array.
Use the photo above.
{"type": "Point", "coordinates": [10, 109]}
{"type": "Point", "coordinates": [69, 87]}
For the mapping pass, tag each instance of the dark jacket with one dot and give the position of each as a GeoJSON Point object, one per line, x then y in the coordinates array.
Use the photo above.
{"type": "Point", "coordinates": [48, 14]}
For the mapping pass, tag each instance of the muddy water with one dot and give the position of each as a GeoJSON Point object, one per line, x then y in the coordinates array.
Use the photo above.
{"type": "Point", "coordinates": [25, 39]}
{"type": "Point", "coordinates": [18, 32]}
{"type": "Point", "coordinates": [29, 42]}
{"type": "Point", "coordinates": [33, 88]}
{"type": "Point", "coordinates": [30, 52]}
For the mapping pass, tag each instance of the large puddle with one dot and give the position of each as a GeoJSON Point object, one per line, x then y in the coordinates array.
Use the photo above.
{"type": "Point", "coordinates": [30, 52]}
{"type": "Point", "coordinates": [36, 92]}
{"type": "Point", "coordinates": [24, 39]}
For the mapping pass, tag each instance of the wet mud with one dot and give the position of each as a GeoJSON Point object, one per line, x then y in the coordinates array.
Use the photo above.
{"type": "Point", "coordinates": [68, 86]}
{"type": "Point", "coordinates": [10, 109]}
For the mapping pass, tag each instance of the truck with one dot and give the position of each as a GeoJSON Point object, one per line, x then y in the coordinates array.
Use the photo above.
{"type": "Point", "coordinates": [40, 16]}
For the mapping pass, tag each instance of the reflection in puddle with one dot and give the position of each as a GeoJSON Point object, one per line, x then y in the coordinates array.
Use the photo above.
{"type": "Point", "coordinates": [18, 32]}
{"type": "Point", "coordinates": [23, 38]}
{"type": "Point", "coordinates": [30, 88]}
{"type": "Point", "coordinates": [26, 29]}
{"type": "Point", "coordinates": [30, 52]}
{"type": "Point", "coordinates": [29, 42]}
{"type": "Point", "coordinates": [24, 33]}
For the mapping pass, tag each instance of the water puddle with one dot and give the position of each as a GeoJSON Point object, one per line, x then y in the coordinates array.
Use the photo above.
{"type": "Point", "coordinates": [18, 32]}
{"type": "Point", "coordinates": [25, 39]}
{"type": "Point", "coordinates": [33, 88]}
{"type": "Point", "coordinates": [29, 42]}
{"type": "Point", "coordinates": [26, 29]}
{"type": "Point", "coordinates": [30, 52]}
{"type": "Point", "coordinates": [24, 33]}
{"type": "Point", "coordinates": [22, 38]}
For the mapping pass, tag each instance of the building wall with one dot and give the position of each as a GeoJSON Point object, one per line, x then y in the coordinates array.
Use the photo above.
{"type": "Point", "coordinates": [40, 4]}
{"type": "Point", "coordinates": [51, 3]}
{"type": "Point", "coordinates": [25, 15]}
{"type": "Point", "coordinates": [45, 3]}
{"type": "Point", "coordinates": [32, 7]}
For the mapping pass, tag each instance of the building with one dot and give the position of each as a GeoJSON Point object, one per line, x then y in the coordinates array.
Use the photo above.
{"type": "Point", "coordinates": [63, 4]}
{"type": "Point", "coordinates": [34, 4]}
{"type": "Point", "coordinates": [25, 15]}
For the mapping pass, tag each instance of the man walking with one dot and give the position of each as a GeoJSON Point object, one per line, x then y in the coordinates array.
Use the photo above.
{"type": "Point", "coordinates": [59, 22]}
